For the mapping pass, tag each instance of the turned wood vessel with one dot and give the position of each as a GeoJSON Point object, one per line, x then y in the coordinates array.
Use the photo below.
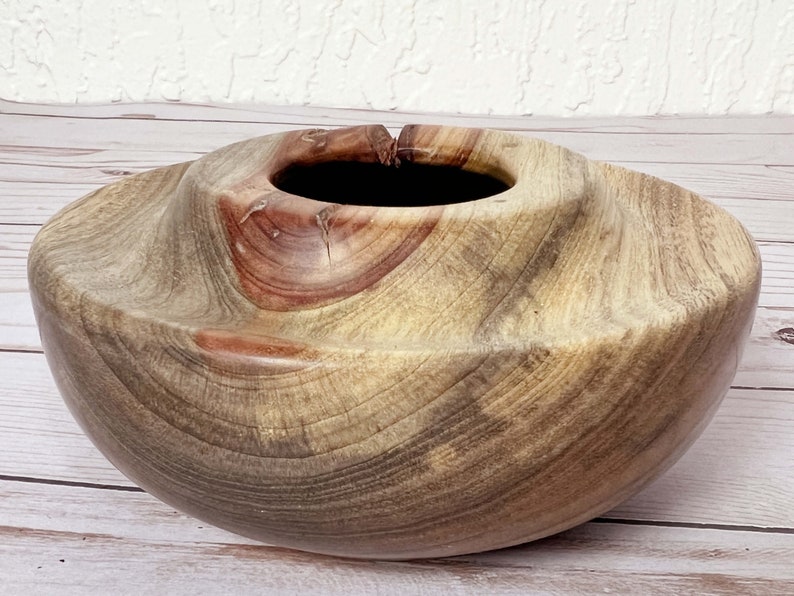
{"type": "Point", "coordinates": [346, 343]}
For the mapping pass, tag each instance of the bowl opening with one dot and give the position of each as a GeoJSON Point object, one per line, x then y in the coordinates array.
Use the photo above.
{"type": "Point", "coordinates": [407, 184]}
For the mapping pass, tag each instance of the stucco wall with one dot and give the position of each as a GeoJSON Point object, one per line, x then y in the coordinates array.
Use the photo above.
{"type": "Point", "coordinates": [501, 56]}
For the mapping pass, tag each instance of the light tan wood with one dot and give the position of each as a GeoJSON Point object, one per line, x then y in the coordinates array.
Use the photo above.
{"type": "Point", "coordinates": [396, 382]}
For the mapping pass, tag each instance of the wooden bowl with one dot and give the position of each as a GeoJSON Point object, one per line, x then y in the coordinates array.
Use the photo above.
{"type": "Point", "coordinates": [465, 340]}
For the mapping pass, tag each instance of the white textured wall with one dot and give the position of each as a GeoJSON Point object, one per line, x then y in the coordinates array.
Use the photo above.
{"type": "Point", "coordinates": [500, 56]}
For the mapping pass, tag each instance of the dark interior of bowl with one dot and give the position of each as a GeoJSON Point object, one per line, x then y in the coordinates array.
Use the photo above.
{"type": "Point", "coordinates": [375, 184]}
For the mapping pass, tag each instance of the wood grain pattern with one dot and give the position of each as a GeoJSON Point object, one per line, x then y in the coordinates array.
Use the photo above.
{"type": "Point", "coordinates": [767, 362]}
{"type": "Point", "coordinates": [524, 363]}
{"type": "Point", "coordinates": [739, 473]}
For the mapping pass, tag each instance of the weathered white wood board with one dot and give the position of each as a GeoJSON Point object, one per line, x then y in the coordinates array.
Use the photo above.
{"type": "Point", "coordinates": [315, 116]}
{"type": "Point", "coordinates": [130, 541]}
{"type": "Point", "coordinates": [695, 147]}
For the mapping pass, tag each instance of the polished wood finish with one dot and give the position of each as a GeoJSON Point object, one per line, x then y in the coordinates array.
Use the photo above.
{"type": "Point", "coordinates": [396, 382]}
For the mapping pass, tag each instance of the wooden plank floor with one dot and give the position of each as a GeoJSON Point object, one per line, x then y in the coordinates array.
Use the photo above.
{"type": "Point", "coordinates": [720, 521]}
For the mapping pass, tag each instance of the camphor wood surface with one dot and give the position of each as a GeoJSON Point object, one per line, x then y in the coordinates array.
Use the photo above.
{"type": "Point", "coordinates": [396, 382]}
